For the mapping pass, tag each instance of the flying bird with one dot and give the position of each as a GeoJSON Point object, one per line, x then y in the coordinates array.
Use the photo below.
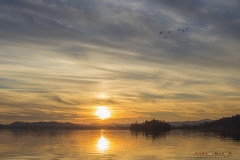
{"type": "Point", "coordinates": [183, 30]}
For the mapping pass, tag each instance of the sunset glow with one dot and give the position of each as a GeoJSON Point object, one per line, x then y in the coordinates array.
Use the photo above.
{"type": "Point", "coordinates": [60, 60]}
{"type": "Point", "coordinates": [128, 79]}
{"type": "Point", "coordinates": [103, 112]}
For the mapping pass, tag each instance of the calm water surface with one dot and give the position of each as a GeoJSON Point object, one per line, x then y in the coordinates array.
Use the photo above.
{"type": "Point", "coordinates": [112, 144]}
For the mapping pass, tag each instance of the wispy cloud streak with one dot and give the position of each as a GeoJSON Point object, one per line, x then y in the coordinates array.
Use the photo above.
{"type": "Point", "coordinates": [58, 57]}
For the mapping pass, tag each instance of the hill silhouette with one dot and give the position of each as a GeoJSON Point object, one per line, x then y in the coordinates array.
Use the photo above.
{"type": "Point", "coordinates": [223, 124]}
{"type": "Point", "coordinates": [230, 124]}
{"type": "Point", "coordinates": [58, 125]}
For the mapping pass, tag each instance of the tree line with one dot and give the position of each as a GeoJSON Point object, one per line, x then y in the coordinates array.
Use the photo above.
{"type": "Point", "coordinates": [152, 125]}
{"type": "Point", "coordinates": [223, 124]}
{"type": "Point", "coordinates": [58, 125]}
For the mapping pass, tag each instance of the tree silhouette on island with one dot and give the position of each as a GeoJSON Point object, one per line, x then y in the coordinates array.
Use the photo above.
{"type": "Point", "coordinates": [153, 125]}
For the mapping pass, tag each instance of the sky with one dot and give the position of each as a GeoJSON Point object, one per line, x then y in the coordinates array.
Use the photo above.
{"type": "Point", "coordinates": [62, 59]}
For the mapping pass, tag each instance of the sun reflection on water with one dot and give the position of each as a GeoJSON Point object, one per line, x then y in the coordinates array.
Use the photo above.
{"type": "Point", "coordinates": [103, 143]}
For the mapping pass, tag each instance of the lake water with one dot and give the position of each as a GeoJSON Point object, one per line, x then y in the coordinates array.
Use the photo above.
{"type": "Point", "coordinates": [114, 144]}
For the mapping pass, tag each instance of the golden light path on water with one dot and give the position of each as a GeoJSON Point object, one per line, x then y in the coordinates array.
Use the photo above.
{"type": "Point", "coordinates": [114, 144]}
{"type": "Point", "coordinates": [102, 144]}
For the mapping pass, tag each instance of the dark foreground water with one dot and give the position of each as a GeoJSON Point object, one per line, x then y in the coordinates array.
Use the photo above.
{"type": "Point", "coordinates": [114, 144]}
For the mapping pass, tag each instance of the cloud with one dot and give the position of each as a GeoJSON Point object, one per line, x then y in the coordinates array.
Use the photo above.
{"type": "Point", "coordinates": [63, 54]}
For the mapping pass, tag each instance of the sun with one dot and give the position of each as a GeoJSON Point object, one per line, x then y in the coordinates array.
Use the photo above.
{"type": "Point", "coordinates": [103, 112]}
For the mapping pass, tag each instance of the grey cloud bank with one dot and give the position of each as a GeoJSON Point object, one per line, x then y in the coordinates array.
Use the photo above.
{"type": "Point", "coordinates": [88, 48]}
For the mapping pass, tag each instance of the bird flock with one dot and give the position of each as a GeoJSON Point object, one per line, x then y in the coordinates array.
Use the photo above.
{"type": "Point", "coordinates": [171, 31]}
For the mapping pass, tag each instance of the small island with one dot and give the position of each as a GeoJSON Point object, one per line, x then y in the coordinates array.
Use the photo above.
{"type": "Point", "coordinates": [152, 125]}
